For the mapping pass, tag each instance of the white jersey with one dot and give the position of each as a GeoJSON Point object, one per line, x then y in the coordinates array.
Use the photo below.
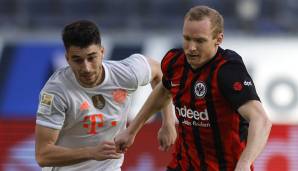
{"type": "Point", "coordinates": [88, 116]}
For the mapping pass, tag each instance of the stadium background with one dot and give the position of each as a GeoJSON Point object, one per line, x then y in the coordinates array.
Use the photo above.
{"type": "Point", "coordinates": [264, 32]}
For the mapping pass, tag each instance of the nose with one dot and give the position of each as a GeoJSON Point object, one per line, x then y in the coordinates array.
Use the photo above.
{"type": "Point", "coordinates": [192, 46]}
{"type": "Point", "coordinates": [86, 66]}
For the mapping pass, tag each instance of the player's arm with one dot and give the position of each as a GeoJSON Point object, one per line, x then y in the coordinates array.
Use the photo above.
{"type": "Point", "coordinates": [167, 133]}
{"type": "Point", "coordinates": [49, 154]}
{"type": "Point", "coordinates": [158, 99]}
{"type": "Point", "coordinates": [167, 111]}
{"type": "Point", "coordinates": [238, 88]}
{"type": "Point", "coordinates": [258, 132]}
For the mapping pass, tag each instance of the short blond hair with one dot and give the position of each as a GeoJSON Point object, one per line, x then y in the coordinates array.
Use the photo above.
{"type": "Point", "coordinates": [198, 13]}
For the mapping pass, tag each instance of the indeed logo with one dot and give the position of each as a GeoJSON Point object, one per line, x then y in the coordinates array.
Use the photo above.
{"type": "Point", "coordinates": [188, 113]}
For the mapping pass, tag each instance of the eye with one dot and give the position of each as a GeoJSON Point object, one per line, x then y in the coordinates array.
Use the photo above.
{"type": "Point", "coordinates": [200, 40]}
{"type": "Point", "coordinates": [186, 38]}
{"type": "Point", "coordinates": [78, 61]}
{"type": "Point", "coordinates": [91, 58]}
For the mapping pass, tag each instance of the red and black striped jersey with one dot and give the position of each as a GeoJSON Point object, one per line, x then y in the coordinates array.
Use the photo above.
{"type": "Point", "coordinates": [212, 134]}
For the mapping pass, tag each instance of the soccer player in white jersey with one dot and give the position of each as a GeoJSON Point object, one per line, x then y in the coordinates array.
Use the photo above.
{"type": "Point", "coordinates": [84, 105]}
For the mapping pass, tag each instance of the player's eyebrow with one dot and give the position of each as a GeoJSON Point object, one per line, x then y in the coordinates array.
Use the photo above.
{"type": "Point", "coordinates": [75, 56]}
{"type": "Point", "coordinates": [92, 53]}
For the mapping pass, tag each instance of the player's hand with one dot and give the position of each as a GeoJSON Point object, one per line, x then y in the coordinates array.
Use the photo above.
{"type": "Point", "coordinates": [124, 140]}
{"type": "Point", "coordinates": [242, 166]}
{"type": "Point", "coordinates": [104, 150]}
{"type": "Point", "coordinates": [166, 136]}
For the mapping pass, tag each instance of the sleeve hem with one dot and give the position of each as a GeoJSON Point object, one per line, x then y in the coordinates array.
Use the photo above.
{"type": "Point", "coordinates": [237, 106]}
{"type": "Point", "coordinates": [47, 124]}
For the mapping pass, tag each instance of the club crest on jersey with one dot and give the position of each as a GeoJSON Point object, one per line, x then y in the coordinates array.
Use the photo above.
{"type": "Point", "coordinates": [98, 101]}
{"type": "Point", "coordinates": [200, 89]}
{"type": "Point", "coordinates": [119, 95]}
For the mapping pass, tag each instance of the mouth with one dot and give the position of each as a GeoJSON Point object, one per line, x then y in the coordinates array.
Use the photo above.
{"type": "Point", "coordinates": [86, 76]}
{"type": "Point", "coordinates": [192, 56]}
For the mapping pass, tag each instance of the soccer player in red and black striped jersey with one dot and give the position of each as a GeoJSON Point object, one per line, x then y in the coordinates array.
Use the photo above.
{"type": "Point", "coordinates": [222, 124]}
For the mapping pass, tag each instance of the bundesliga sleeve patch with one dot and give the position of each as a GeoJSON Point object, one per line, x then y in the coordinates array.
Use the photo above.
{"type": "Point", "coordinates": [47, 99]}
{"type": "Point", "coordinates": [46, 103]}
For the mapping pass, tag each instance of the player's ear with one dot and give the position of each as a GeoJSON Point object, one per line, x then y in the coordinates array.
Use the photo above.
{"type": "Point", "coordinates": [102, 50]}
{"type": "Point", "coordinates": [219, 39]}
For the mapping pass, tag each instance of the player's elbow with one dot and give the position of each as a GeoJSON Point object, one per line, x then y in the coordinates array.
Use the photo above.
{"type": "Point", "coordinates": [155, 71]}
{"type": "Point", "coordinates": [41, 159]}
{"type": "Point", "coordinates": [266, 123]}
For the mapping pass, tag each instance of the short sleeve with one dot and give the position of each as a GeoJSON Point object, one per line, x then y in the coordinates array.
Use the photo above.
{"type": "Point", "coordinates": [51, 110]}
{"type": "Point", "coordinates": [236, 84]}
{"type": "Point", "coordinates": [140, 67]}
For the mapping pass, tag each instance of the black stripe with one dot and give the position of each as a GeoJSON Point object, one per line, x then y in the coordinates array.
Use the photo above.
{"type": "Point", "coordinates": [195, 129]}
{"type": "Point", "coordinates": [213, 120]}
{"type": "Point", "coordinates": [170, 70]}
{"type": "Point", "coordinates": [178, 104]}
{"type": "Point", "coordinates": [5, 64]}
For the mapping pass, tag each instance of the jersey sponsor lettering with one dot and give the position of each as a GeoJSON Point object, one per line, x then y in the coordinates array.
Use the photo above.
{"type": "Point", "coordinates": [200, 119]}
{"type": "Point", "coordinates": [96, 121]}
{"type": "Point", "coordinates": [92, 122]}
{"type": "Point", "coordinates": [247, 83]}
{"type": "Point", "coordinates": [189, 113]}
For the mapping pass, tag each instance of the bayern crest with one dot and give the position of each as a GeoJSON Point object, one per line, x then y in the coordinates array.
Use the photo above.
{"type": "Point", "coordinates": [200, 89]}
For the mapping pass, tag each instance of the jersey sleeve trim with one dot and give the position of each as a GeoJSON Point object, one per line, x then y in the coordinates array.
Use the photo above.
{"type": "Point", "coordinates": [47, 124]}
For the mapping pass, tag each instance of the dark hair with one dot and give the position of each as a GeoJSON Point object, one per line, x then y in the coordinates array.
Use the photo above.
{"type": "Point", "coordinates": [81, 33]}
{"type": "Point", "coordinates": [198, 13]}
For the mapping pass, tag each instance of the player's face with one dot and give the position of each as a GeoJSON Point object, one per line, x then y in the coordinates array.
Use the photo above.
{"type": "Point", "coordinates": [198, 42]}
{"type": "Point", "coordinates": [86, 64]}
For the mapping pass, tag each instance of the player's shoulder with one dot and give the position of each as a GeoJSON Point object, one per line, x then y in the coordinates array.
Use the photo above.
{"type": "Point", "coordinates": [134, 59]}
{"type": "Point", "coordinates": [127, 72]}
{"type": "Point", "coordinates": [172, 53]}
{"type": "Point", "coordinates": [233, 63]}
{"type": "Point", "coordinates": [58, 80]}
{"type": "Point", "coordinates": [231, 56]}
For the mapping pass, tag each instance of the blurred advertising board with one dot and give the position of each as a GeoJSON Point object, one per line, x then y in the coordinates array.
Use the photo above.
{"type": "Point", "coordinates": [17, 149]}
